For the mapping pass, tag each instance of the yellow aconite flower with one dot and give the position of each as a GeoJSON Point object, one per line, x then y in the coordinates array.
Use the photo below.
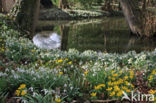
{"type": "Point", "coordinates": [112, 94]}
{"type": "Point", "coordinates": [24, 92]}
{"type": "Point", "coordinates": [22, 86]}
{"type": "Point", "coordinates": [124, 88]}
{"type": "Point", "coordinates": [125, 77]}
{"type": "Point", "coordinates": [113, 78]}
{"type": "Point", "coordinates": [132, 85]}
{"type": "Point", "coordinates": [109, 89]}
{"type": "Point", "coordinates": [150, 78]}
{"type": "Point", "coordinates": [85, 73]}
{"type": "Point", "coordinates": [58, 100]}
{"type": "Point", "coordinates": [66, 59]}
{"type": "Point", "coordinates": [120, 81]}
{"type": "Point", "coordinates": [131, 72]}
{"type": "Point", "coordinates": [120, 72]}
{"type": "Point", "coordinates": [131, 76]}
{"type": "Point", "coordinates": [102, 85]}
{"type": "Point", "coordinates": [116, 88]}
{"type": "Point", "coordinates": [60, 60]}
{"type": "Point", "coordinates": [93, 94]}
{"type": "Point", "coordinates": [113, 71]}
{"type": "Point", "coordinates": [154, 72]}
{"type": "Point", "coordinates": [119, 93]}
{"type": "Point", "coordinates": [110, 83]}
{"type": "Point", "coordinates": [17, 92]}
{"type": "Point", "coordinates": [33, 50]}
{"type": "Point", "coordinates": [60, 73]}
{"type": "Point", "coordinates": [97, 87]}
{"type": "Point", "coordinates": [115, 75]}
{"type": "Point", "coordinates": [152, 91]}
{"type": "Point", "coordinates": [70, 62]}
{"type": "Point", "coordinates": [116, 83]}
{"type": "Point", "coordinates": [109, 77]}
{"type": "Point", "coordinates": [128, 91]}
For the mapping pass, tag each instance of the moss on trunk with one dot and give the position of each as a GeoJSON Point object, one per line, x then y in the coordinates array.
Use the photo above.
{"type": "Point", "coordinates": [26, 13]}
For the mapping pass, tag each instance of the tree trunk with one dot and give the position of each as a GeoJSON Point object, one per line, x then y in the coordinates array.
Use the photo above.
{"type": "Point", "coordinates": [144, 5]}
{"type": "Point", "coordinates": [140, 23]}
{"type": "Point", "coordinates": [64, 36]}
{"type": "Point", "coordinates": [63, 4]}
{"type": "Point", "coordinates": [0, 6]}
{"type": "Point", "coordinates": [26, 13]}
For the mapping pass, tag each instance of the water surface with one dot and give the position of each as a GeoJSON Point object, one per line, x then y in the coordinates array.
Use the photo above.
{"type": "Point", "coordinates": [106, 35]}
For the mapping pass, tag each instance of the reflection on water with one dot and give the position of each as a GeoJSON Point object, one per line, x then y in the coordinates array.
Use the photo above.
{"type": "Point", "coordinates": [47, 40]}
{"type": "Point", "coordinates": [106, 35]}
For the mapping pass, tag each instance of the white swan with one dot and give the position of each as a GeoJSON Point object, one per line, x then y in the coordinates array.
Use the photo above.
{"type": "Point", "coordinates": [48, 41]}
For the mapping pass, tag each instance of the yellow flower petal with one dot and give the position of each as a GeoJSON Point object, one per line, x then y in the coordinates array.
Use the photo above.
{"type": "Point", "coordinates": [93, 94]}
{"type": "Point", "coordinates": [24, 92]}
{"type": "Point", "coordinates": [58, 100]}
{"type": "Point", "coordinates": [17, 92]}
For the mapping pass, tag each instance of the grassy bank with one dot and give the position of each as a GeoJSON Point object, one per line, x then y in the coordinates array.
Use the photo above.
{"type": "Point", "coordinates": [34, 75]}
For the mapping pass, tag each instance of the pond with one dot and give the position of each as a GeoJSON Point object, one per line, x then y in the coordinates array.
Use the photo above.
{"type": "Point", "coordinates": [110, 35]}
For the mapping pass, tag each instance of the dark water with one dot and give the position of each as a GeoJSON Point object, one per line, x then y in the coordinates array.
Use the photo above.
{"type": "Point", "coordinates": [106, 35]}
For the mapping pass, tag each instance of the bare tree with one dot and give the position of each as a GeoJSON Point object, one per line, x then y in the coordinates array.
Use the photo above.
{"type": "Point", "coordinates": [140, 22]}
{"type": "Point", "coordinates": [26, 13]}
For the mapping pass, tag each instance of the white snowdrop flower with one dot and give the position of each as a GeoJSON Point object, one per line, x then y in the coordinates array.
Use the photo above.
{"type": "Point", "coordinates": [38, 76]}
{"type": "Point", "coordinates": [12, 71]}
{"type": "Point", "coordinates": [15, 76]}
{"type": "Point", "coordinates": [26, 62]}
{"type": "Point", "coordinates": [96, 63]}
{"type": "Point", "coordinates": [24, 101]}
{"type": "Point", "coordinates": [32, 72]}
{"type": "Point", "coordinates": [53, 91]}
{"type": "Point", "coordinates": [45, 91]}
{"type": "Point", "coordinates": [34, 94]}
{"type": "Point", "coordinates": [130, 60]}
{"type": "Point", "coordinates": [34, 79]}
{"type": "Point", "coordinates": [36, 64]}
{"type": "Point", "coordinates": [65, 85]}
{"type": "Point", "coordinates": [94, 74]}
{"type": "Point", "coordinates": [65, 70]}
{"type": "Point", "coordinates": [3, 74]}
{"type": "Point", "coordinates": [6, 70]}
{"type": "Point", "coordinates": [143, 57]}
{"type": "Point", "coordinates": [83, 74]}
{"type": "Point", "coordinates": [20, 70]}
{"type": "Point", "coordinates": [80, 63]}
{"type": "Point", "coordinates": [64, 90]}
{"type": "Point", "coordinates": [31, 89]}
{"type": "Point", "coordinates": [71, 88]}
{"type": "Point", "coordinates": [126, 68]}
{"type": "Point", "coordinates": [47, 77]}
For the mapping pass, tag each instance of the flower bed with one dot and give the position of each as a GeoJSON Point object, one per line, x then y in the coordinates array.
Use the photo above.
{"type": "Point", "coordinates": [34, 75]}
